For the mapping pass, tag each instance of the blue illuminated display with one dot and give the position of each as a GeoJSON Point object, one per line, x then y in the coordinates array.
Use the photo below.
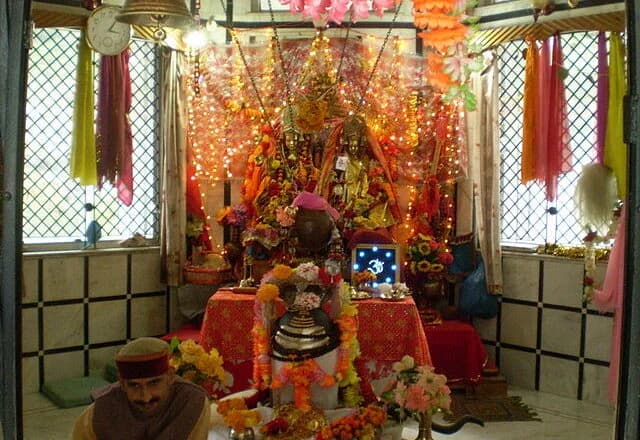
{"type": "Point", "coordinates": [382, 260]}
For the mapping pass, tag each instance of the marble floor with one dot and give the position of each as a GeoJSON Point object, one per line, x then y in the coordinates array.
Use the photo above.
{"type": "Point", "coordinates": [562, 419]}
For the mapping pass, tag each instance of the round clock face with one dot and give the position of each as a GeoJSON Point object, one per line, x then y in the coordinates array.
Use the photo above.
{"type": "Point", "coordinates": [105, 34]}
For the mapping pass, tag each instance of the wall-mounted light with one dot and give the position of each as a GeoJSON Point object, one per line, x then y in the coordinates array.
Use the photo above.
{"type": "Point", "coordinates": [541, 7]}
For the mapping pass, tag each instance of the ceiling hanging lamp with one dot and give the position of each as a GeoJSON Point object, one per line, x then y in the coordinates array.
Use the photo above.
{"type": "Point", "coordinates": [541, 7]}
{"type": "Point", "coordinates": [157, 14]}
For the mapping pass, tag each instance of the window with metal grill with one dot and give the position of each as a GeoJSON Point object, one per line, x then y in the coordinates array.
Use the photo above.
{"type": "Point", "coordinates": [526, 217]}
{"type": "Point", "coordinates": [54, 204]}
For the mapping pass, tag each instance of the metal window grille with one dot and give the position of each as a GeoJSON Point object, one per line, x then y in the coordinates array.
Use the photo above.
{"type": "Point", "coordinates": [526, 216]}
{"type": "Point", "coordinates": [53, 202]}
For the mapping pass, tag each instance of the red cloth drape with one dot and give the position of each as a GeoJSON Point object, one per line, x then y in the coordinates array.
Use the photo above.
{"type": "Point", "coordinates": [114, 140]}
{"type": "Point", "coordinates": [558, 157]}
{"type": "Point", "coordinates": [542, 111]}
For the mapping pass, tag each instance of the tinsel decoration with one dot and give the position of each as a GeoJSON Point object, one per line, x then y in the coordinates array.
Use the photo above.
{"type": "Point", "coordinates": [595, 197]}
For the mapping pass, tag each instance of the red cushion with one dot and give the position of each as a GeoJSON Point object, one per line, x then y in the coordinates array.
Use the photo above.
{"type": "Point", "coordinates": [187, 331]}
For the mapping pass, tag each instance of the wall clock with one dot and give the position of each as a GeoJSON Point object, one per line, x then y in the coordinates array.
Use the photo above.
{"type": "Point", "coordinates": [104, 33]}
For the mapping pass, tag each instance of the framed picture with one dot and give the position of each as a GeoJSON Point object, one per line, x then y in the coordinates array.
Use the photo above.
{"type": "Point", "coordinates": [381, 259]}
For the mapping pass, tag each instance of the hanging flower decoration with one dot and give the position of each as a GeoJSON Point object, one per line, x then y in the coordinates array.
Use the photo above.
{"type": "Point", "coordinates": [193, 363]}
{"type": "Point", "coordinates": [335, 10]}
{"type": "Point", "coordinates": [415, 390]}
{"type": "Point", "coordinates": [446, 31]}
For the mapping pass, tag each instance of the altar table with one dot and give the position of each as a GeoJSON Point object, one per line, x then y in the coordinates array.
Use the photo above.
{"type": "Point", "coordinates": [387, 330]}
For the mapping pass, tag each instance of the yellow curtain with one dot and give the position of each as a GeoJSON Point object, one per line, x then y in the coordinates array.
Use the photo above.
{"type": "Point", "coordinates": [615, 150]}
{"type": "Point", "coordinates": [82, 163]}
{"type": "Point", "coordinates": [528, 166]}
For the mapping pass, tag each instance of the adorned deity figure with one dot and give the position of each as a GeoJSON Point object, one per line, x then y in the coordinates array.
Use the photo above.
{"type": "Point", "coordinates": [355, 177]}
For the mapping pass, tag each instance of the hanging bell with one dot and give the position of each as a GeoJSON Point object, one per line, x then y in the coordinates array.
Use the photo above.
{"type": "Point", "coordinates": [157, 14]}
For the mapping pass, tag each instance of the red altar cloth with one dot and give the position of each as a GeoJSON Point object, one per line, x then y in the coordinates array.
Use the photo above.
{"type": "Point", "coordinates": [457, 351]}
{"type": "Point", "coordinates": [386, 332]}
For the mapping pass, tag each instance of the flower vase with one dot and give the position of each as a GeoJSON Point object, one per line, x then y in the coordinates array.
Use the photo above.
{"type": "Point", "coordinates": [432, 293]}
{"type": "Point", "coordinates": [392, 431]}
{"type": "Point", "coordinates": [424, 427]}
{"type": "Point", "coordinates": [246, 434]}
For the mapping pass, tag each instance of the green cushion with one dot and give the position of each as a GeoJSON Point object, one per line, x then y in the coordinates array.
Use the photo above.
{"type": "Point", "coordinates": [111, 372]}
{"type": "Point", "coordinates": [76, 391]}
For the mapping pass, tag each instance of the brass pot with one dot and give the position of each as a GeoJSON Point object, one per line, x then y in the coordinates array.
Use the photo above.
{"type": "Point", "coordinates": [246, 434]}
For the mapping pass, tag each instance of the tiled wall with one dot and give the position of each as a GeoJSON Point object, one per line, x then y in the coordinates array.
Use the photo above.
{"type": "Point", "coordinates": [78, 308]}
{"type": "Point", "coordinates": [544, 337]}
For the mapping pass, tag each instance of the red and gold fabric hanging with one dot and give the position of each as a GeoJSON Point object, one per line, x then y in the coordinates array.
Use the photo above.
{"type": "Point", "coordinates": [114, 139]}
{"type": "Point", "coordinates": [528, 164]}
{"type": "Point", "coordinates": [546, 149]}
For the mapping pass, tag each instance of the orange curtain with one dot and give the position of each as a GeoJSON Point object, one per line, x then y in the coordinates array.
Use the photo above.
{"type": "Point", "coordinates": [528, 164]}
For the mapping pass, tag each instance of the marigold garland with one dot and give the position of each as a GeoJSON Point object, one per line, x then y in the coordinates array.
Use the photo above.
{"type": "Point", "coordinates": [303, 374]}
{"type": "Point", "coordinates": [236, 414]}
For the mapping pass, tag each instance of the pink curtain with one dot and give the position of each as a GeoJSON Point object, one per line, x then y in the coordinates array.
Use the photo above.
{"type": "Point", "coordinates": [114, 140]}
{"type": "Point", "coordinates": [609, 298]}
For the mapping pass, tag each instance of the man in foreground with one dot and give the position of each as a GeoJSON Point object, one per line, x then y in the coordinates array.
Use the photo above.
{"type": "Point", "coordinates": [148, 402]}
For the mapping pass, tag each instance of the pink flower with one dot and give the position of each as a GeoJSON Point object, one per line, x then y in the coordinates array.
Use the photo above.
{"type": "Point", "coordinates": [337, 10]}
{"type": "Point", "coordinates": [360, 9]}
{"type": "Point", "coordinates": [417, 400]}
{"type": "Point", "coordinates": [283, 217]}
{"type": "Point", "coordinates": [380, 5]}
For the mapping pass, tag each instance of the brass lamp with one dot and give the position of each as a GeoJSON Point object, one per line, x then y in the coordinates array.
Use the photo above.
{"type": "Point", "coordinates": [541, 7]}
{"type": "Point", "coordinates": [157, 14]}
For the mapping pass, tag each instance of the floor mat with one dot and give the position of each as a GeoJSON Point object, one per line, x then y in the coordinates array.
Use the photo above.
{"type": "Point", "coordinates": [491, 409]}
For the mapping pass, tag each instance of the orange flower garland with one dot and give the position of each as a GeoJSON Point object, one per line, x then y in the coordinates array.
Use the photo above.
{"type": "Point", "coordinates": [302, 375]}
{"type": "Point", "coordinates": [261, 360]}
